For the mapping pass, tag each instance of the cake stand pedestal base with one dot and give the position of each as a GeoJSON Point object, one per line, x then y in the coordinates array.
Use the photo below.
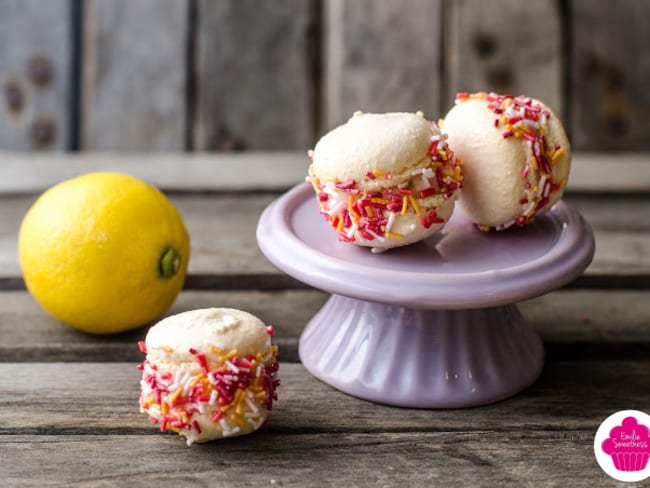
{"type": "Point", "coordinates": [421, 358]}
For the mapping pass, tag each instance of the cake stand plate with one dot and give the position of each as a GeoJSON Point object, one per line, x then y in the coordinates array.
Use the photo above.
{"type": "Point", "coordinates": [433, 324]}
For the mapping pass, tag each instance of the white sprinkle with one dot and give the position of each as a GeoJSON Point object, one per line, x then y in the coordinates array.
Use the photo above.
{"type": "Point", "coordinates": [391, 221]}
{"type": "Point", "coordinates": [231, 366]}
{"type": "Point", "coordinates": [258, 371]}
{"type": "Point", "coordinates": [425, 181]}
{"type": "Point", "coordinates": [529, 209]}
{"type": "Point", "coordinates": [547, 189]}
{"type": "Point", "coordinates": [213, 397]}
{"type": "Point", "coordinates": [435, 138]}
{"type": "Point", "coordinates": [352, 230]}
{"type": "Point", "coordinates": [530, 123]}
{"type": "Point", "coordinates": [412, 227]}
{"type": "Point", "coordinates": [189, 441]}
{"type": "Point", "coordinates": [251, 405]}
{"type": "Point", "coordinates": [230, 377]}
{"type": "Point", "coordinates": [540, 185]}
{"type": "Point", "coordinates": [416, 172]}
{"type": "Point", "coordinates": [508, 224]}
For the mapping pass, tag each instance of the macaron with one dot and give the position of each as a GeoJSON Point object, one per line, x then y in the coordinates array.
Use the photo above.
{"type": "Point", "coordinates": [385, 180]}
{"type": "Point", "coordinates": [209, 373]}
{"type": "Point", "coordinates": [516, 157]}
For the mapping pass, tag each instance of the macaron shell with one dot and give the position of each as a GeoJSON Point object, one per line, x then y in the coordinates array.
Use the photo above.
{"type": "Point", "coordinates": [170, 340]}
{"type": "Point", "coordinates": [493, 184]}
{"type": "Point", "coordinates": [387, 142]}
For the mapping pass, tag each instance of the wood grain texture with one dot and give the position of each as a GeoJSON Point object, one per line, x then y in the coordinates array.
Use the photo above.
{"type": "Point", "coordinates": [85, 416]}
{"type": "Point", "coordinates": [478, 459]}
{"type": "Point", "coordinates": [35, 74]}
{"type": "Point", "coordinates": [134, 75]}
{"type": "Point", "coordinates": [574, 324]}
{"type": "Point", "coordinates": [381, 57]}
{"type": "Point", "coordinates": [253, 75]}
{"type": "Point", "coordinates": [610, 103]}
{"type": "Point", "coordinates": [223, 243]}
{"type": "Point", "coordinates": [101, 398]}
{"type": "Point", "coordinates": [506, 46]}
{"type": "Point", "coordinates": [268, 171]}
{"type": "Point", "coordinates": [197, 172]}
{"type": "Point", "coordinates": [30, 334]}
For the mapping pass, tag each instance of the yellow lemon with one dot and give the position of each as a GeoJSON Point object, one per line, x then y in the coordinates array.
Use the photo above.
{"type": "Point", "coordinates": [103, 252]}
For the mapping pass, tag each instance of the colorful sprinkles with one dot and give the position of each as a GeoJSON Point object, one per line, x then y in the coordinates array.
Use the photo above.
{"type": "Point", "coordinates": [234, 391]}
{"type": "Point", "coordinates": [521, 118]}
{"type": "Point", "coordinates": [361, 215]}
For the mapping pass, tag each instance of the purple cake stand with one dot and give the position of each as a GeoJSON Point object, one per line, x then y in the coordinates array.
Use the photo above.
{"type": "Point", "coordinates": [433, 324]}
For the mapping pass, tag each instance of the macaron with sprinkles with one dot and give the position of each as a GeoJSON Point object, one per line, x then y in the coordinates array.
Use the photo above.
{"type": "Point", "coordinates": [516, 157]}
{"type": "Point", "coordinates": [385, 180]}
{"type": "Point", "coordinates": [209, 374]}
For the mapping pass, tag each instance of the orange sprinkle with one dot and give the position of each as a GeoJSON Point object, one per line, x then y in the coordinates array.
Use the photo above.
{"type": "Point", "coordinates": [166, 348]}
{"type": "Point", "coordinates": [176, 394]}
{"type": "Point", "coordinates": [394, 235]}
{"type": "Point", "coordinates": [339, 227]}
{"type": "Point", "coordinates": [238, 419]}
{"type": "Point", "coordinates": [533, 163]}
{"type": "Point", "coordinates": [416, 207]}
{"type": "Point", "coordinates": [164, 408]}
{"type": "Point", "coordinates": [405, 203]}
{"type": "Point", "coordinates": [378, 172]}
{"type": "Point", "coordinates": [380, 200]}
{"type": "Point", "coordinates": [557, 154]}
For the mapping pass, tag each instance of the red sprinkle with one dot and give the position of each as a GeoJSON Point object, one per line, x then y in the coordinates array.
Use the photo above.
{"type": "Point", "coordinates": [427, 192]}
{"type": "Point", "coordinates": [270, 330]}
{"type": "Point", "coordinates": [142, 346]}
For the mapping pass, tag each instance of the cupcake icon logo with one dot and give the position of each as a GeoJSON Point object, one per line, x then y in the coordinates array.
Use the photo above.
{"type": "Point", "coordinates": [622, 445]}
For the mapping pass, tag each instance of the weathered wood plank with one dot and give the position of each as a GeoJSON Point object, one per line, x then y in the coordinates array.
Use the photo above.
{"type": "Point", "coordinates": [253, 85]}
{"type": "Point", "coordinates": [197, 172]}
{"type": "Point", "coordinates": [574, 324]}
{"type": "Point", "coordinates": [101, 398]}
{"type": "Point", "coordinates": [505, 46]}
{"type": "Point", "coordinates": [222, 229]}
{"type": "Point", "coordinates": [268, 171]}
{"type": "Point", "coordinates": [381, 57]}
{"type": "Point", "coordinates": [35, 74]}
{"type": "Point", "coordinates": [134, 75]}
{"type": "Point", "coordinates": [30, 334]}
{"type": "Point", "coordinates": [477, 459]}
{"type": "Point", "coordinates": [610, 102]}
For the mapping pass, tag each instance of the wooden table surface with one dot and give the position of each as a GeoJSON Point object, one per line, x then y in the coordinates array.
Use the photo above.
{"type": "Point", "coordinates": [69, 401]}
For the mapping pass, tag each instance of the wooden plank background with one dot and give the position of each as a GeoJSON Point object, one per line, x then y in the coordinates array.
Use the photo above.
{"type": "Point", "coordinates": [174, 75]}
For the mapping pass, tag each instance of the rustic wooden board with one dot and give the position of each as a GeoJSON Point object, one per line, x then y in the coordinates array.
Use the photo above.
{"type": "Point", "coordinates": [198, 172]}
{"type": "Point", "coordinates": [30, 334]}
{"type": "Point", "coordinates": [610, 103]}
{"type": "Point", "coordinates": [224, 247]}
{"type": "Point", "coordinates": [381, 57]}
{"type": "Point", "coordinates": [254, 86]}
{"type": "Point", "coordinates": [574, 324]}
{"type": "Point", "coordinates": [134, 75]}
{"type": "Point", "coordinates": [101, 398]}
{"type": "Point", "coordinates": [268, 171]}
{"type": "Point", "coordinates": [477, 459]}
{"type": "Point", "coordinates": [505, 46]}
{"type": "Point", "coordinates": [35, 75]}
